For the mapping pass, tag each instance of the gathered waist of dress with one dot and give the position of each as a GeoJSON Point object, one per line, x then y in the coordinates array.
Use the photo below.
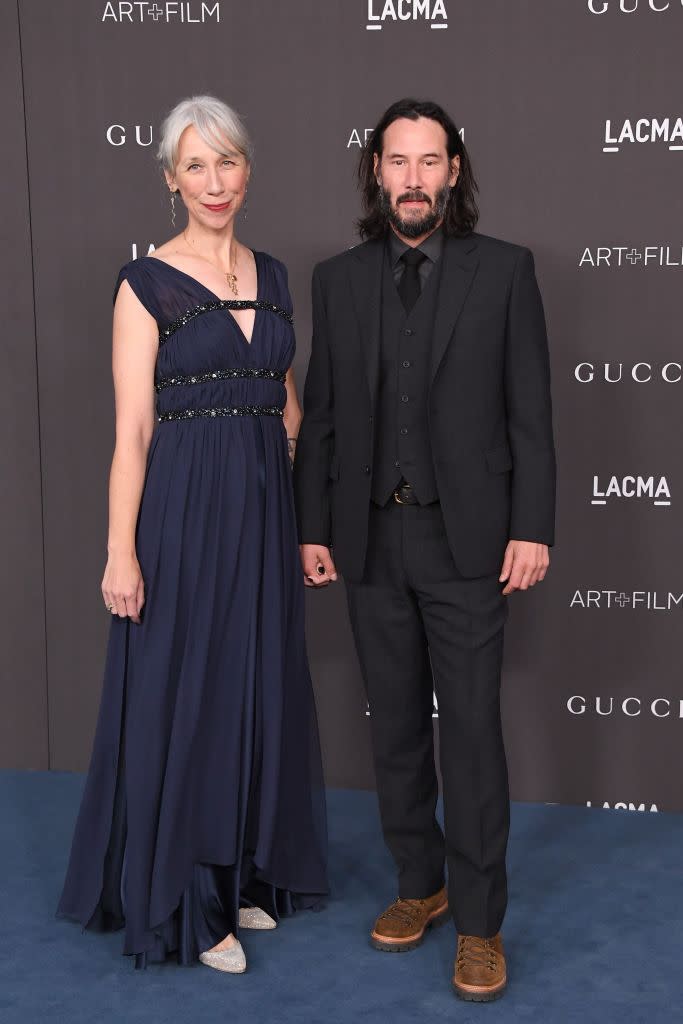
{"type": "Point", "coordinates": [239, 373]}
{"type": "Point", "coordinates": [220, 411]}
{"type": "Point", "coordinates": [221, 393]}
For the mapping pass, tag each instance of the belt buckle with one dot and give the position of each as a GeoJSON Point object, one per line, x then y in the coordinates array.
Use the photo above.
{"type": "Point", "coordinates": [397, 494]}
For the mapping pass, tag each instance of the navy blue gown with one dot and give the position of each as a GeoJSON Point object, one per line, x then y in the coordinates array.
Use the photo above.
{"type": "Point", "coordinates": [205, 789]}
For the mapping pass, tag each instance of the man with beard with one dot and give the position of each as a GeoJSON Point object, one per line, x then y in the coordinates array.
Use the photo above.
{"type": "Point", "coordinates": [426, 463]}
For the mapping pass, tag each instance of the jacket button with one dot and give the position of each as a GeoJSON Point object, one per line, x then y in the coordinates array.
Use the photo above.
{"type": "Point", "coordinates": [409, 332]}
{"type": "Point", "coordinates": [404, 398]}
{"type": "Point", "coordinates": [366, 469]}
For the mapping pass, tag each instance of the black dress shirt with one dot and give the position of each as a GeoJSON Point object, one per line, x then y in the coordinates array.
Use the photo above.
{"type": "Point", "coordinates": [432, 247]}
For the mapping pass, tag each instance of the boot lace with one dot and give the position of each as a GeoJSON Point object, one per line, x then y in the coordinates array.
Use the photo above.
{"type": "Point", "coordinates": [405, 912]}
{"type": "Point", "coordinates": [476, 952]}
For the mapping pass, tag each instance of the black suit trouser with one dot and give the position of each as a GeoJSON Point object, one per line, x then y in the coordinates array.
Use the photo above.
{"type": "Point", "coordinates": [422, 629]}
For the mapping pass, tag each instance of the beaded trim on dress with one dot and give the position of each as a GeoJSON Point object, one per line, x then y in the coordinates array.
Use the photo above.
{"type": "Point", "coordinates": [239, 410]}
{"type": "Point", "coordinates": [208, 307]}
{"type": "Point", "coordinates": [203, 378]}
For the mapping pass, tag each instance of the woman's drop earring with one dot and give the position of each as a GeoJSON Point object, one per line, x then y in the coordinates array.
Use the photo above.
{"type": "Point", "coordinates": [172, 208]}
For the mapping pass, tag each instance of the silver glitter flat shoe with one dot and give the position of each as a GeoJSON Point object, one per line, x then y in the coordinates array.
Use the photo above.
{"type": "Point", "coordinates": [232, 961]}
{"type": "Point", "coordinates": [254, 917]}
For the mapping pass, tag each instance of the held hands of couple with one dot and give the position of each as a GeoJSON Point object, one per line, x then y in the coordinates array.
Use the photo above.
{"type": "Point", "coordinates": [525, 564]}
{"type": "Point", "coordinates": [123, 588]}
{"type": "Point", "coordinates": [318, 565]}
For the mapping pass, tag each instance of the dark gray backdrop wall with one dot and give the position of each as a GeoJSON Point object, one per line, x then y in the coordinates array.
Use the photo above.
{"type": "Point", "coordinates": [569, 112]}
{"type": "Point", "coordinates": [23, 689]}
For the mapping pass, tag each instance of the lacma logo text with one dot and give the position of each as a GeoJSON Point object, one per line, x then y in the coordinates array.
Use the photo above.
{"type": "Point", "coordinates": [667, 130]}
{"type": "Point", "coordinates": [653, 809]}
{"type": "Point", "coordinates": [134, 249]}
{"type": "Point", "coordinates": [431, 11]}
{"type": "Point", "coordinates": [656, 491]}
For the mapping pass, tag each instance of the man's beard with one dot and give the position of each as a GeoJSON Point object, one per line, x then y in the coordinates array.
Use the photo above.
{"type": "Point", "coordinates": [414, 227]}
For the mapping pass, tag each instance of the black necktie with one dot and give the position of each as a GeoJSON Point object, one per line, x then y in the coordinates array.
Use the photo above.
{"type": "Point", "coordinates": [409, 287]}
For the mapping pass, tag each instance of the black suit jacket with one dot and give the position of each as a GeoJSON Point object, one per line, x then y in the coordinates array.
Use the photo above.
{"type": "Point", "coordinates": [489, 407]}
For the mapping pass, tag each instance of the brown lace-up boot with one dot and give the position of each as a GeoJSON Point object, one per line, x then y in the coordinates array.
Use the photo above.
{"type": "Point", "coordinates": [402, 925]}
{"type": "Point", "coordinates": [480, 974]}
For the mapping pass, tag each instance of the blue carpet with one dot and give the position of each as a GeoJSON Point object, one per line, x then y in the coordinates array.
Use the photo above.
{"type": "Point", "coordinates": [593, 933]}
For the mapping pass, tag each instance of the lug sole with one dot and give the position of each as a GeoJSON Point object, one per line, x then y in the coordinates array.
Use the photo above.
{"type": "Point", "coordinates": [436, 920]}
{"type": "Point", "coordinates": [479, 995]}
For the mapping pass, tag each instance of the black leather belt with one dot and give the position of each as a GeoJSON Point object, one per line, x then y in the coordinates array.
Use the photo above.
{"type": "Point", "coordinates": [404, 495]}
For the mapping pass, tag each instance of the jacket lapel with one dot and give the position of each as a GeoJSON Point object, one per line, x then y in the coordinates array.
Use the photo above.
{"type": "Point", "coordinates": [460, 263]}
{"type": "Point", "coordinates": [366, 292]}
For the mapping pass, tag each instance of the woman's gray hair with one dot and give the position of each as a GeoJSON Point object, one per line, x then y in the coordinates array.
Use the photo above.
{"type": "Point", "coordinates": [217, 123]}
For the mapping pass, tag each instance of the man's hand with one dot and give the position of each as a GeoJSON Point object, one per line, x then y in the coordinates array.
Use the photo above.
{"type": "Point", "coordinates": [524, 565]}
{"type": "Point", "coordinates": [318, 566]}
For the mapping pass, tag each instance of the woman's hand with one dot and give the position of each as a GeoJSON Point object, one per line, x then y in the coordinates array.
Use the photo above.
{"type": "Point", "coordinates": [135, 348]}
{"type": "Point", "coordinates": [123, 588]}
{"type": "Point", "coordinates": [318, 565]}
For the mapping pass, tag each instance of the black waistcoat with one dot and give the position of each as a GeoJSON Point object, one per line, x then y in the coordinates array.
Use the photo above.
{"type": "Point", "coordinates": [402, 445]}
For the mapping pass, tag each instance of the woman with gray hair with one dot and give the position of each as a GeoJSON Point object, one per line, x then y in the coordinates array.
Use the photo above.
{"type": "Point", "coordinates": [203, 812]}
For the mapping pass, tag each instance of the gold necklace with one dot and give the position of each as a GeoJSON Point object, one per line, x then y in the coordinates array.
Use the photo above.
{"type": "Point", "coordinates": [230, 276]}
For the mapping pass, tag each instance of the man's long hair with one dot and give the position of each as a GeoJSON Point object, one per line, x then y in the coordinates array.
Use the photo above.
{"type": "Point", "coordinates": [462, 212]}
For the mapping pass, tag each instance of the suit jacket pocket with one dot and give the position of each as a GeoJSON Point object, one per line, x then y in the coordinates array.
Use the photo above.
{"type": "Point", "coordinates": [334, 468]}
{"type": "Point", "coordinates": [499, 460]}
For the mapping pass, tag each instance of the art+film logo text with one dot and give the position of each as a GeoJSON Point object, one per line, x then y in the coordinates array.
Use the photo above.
{"type": "Point", "coordinates": [614, 257]}
{"type": "Point", "coordinates": [187, 12]}
{"type": "Point", "coordinates": [634, 600]}
{"type": "Point", "coordinates": [358, 137]}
